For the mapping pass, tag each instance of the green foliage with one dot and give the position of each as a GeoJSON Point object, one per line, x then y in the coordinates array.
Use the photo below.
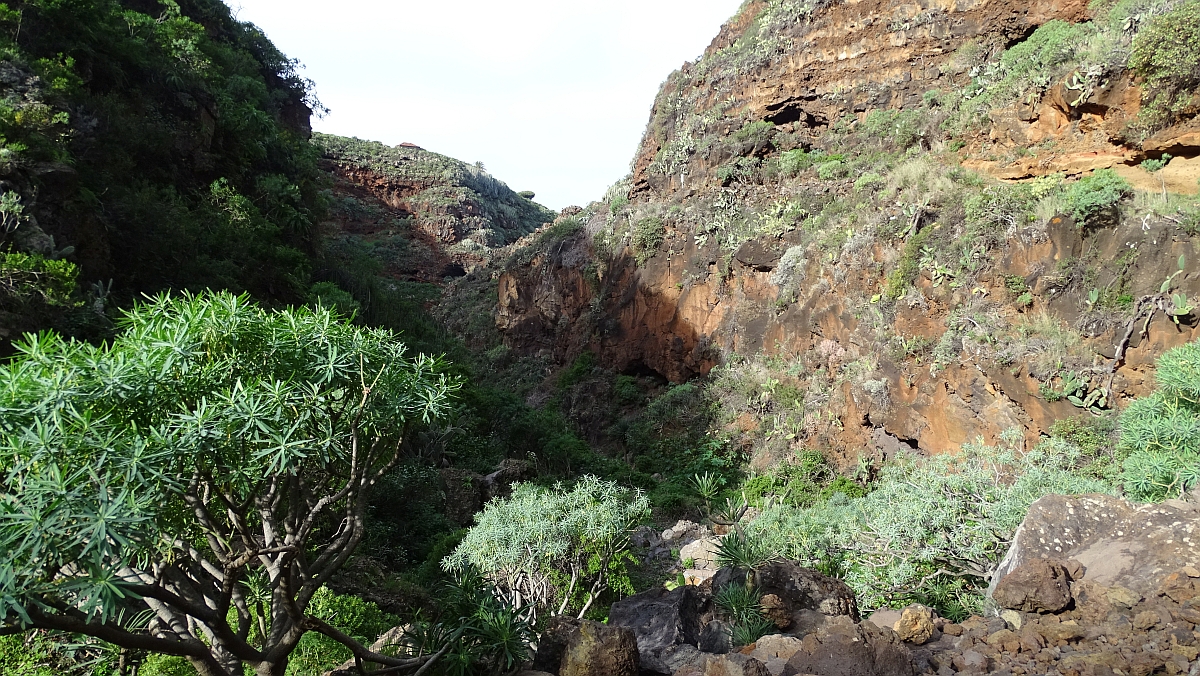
{"type": "Point", "coordinates": [908, 266]}
{"type": "Point", "coordinates": [1164, 54]}
{"type": "Point", "coordinates": [112, 453]}
{"type": "Point", "coordinates": [579, 370]}
{"type": "Point", "coordinates": [738, 550]}
{"type": "Point", "coordinates": [742, 606]}
{"type": "Point", "coordinates": [332, 296]}
{"type": "Point", "coordinates": [1160, 433]}
{"type": "Point", "coordinates": [454, 187]}
{"type": "Point", "coordinates": [900, 127]}
{"type": "Point", "coordinates": [554, 548]}
{"type": "Point", "coordinates": [1095, 195]}
{"type": "Point", "coordinates": [628, 391]}
{"type": "Point", "coordinates": [647, 236]}
{"type": "Point", "coordinates": [24, 277]}
{"type": "Point", "coordinates": [831, 169]}
{"type": "Point", "coordinates": [152, 104]}
{"type": "Point", "coordinates": [925, 514]}
{"type": "Point", "coordinates": [795, 161]}
{"type": "Point", "coordinates": [363, 620]}
{"type": "Point", "coordinates": [617, 204]}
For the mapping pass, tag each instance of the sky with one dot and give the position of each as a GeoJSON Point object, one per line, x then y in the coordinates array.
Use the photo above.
{"type": "Point", "coordinates": [552, 96]}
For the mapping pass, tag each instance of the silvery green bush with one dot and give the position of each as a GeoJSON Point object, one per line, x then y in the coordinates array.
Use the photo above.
{"type": "Point", "coordinates": [1160, 433]}
{"type": "Point", "coordinates": [934, 528]}
{"type": "Point", "coordinates": [560, 545]}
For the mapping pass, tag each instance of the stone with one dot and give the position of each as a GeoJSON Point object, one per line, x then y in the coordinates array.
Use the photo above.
{"type": "Point", "coordinates": [953, 629]}
{"type": "Point", "coordinates": [776, 610]}
{"type": "Point", "coordinates": [841, 647]}
{"type": "Point", "coordinates": [464, 494]}
{"type": "Point", "coordinates": [1036, 586]}
{"type": "Point", "coordinates": [1118, 543]}
{"type": "Point", "coordinates": [915, 624]}
{"type": "Point", "coordinates": [499, 483]}
{"type": "Point", "coordinates": [1061, 632]}
{"type": "Point", "coordinates": [774, 650]}
{"type": "Point", "coordinates": [716, 637]}
{"type": "Point", "coordinates": [1147, 619]}
{"type": "Point", "coordinates": [597, 648]}
{"type": "Point", "coordinates": [553, 642]}
{"type": "Point", "coordinates": [1012, 618]}
{"type": "Point", "coordinates": [734, 664]}
{"type": "Point", "coordinates": [702, 551]}
{"type": "Point", "coordinates": [1190, 571]}
{"type": "Point", "coordinates": [1178, 587]}
{"type": "Point", "coordinates": [887, 617]}
{"type": "Point", "coordinates": [1005, 639]}
{"type": "Point", "coordinates": [666, 623]}
{"type": "Point", "coordinates": [759, 254]}
{"type": "Point", "coordinates": [1122, 596]}
{"type": "Point", "coordinates": [971, 660]}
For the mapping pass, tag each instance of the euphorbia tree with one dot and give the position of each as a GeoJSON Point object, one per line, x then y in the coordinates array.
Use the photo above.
{"type": "Point", "coordinates": [188, 488]}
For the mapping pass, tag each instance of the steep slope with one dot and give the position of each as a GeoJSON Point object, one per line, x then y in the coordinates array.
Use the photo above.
{"type": "Point", "coordinates": [147, 146]}
{"type": "Point", "coordinates": [815, 210]}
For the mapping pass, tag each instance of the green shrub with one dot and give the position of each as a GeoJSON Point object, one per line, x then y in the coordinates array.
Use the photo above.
{"type": "Point", "coordinates": [952, 512]}
{"type": "Point", "coordinates": [908, 266]}
{"type": "Point", "coordinates": [1096, 194]}
{"type": "Point", "coordinates": [627, 390]}
{"type": "Point", "coordinates": [795, 161]}
{"type": "Point", "coordinates": [330, 295]}
{"type": "Point", "coordinates": [363, 620]}
{"type": "Point", "coordinates": [24, 276]}
{"type": "Point", "coordinates": [1160, 433]}
{"type": "Point", "coordinates": [832, 169]}
{"type": "Point", "coordinates": [554, 548]}
{"type": "Point", "coordinates": [1164, 53]}
{"type": "Point", "coordinates": [617, 204]}
{"type": "Point", "coordinates": [579, 370]}
{"type": "Point", "coordinates": [648, 234]}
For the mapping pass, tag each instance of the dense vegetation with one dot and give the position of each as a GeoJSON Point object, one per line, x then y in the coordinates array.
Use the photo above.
{"type": "Point", "coordinates": [159, 145]}
{"type": "Point", "coordinates": [165, 146]}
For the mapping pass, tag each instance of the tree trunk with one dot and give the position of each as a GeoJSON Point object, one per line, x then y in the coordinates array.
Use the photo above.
{"type": "Point", "coordinates": [272, 668]}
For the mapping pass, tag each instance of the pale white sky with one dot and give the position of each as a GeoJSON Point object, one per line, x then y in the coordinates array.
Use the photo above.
{"type": "Point", "coordinates": [551, 96]}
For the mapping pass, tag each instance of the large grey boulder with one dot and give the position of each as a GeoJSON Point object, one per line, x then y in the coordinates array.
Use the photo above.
{"type": "Point", "coordinates": [667, 625]}
{"type": "Point", "coordinates": [1119, 543]}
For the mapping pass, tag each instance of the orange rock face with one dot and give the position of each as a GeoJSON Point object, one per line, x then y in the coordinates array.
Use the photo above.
{"type": "Point", "coordinates": [690, 305]}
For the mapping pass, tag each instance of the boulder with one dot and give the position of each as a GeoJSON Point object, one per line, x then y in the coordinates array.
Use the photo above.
{"type": "Point", "coordinates": [666, 624]}
{"type": "Point", "coordinates": [915, 624]}
{"type": "Point", "coordinates": [499, 483]}
{"type": "Point", "coordinates": [761, 254]}
{"type": "Point", "coordinates": [464, 494]}
{"type": "Point", "coordinates": [1036, 586]}
{"type": "Point", "coordinates": [732, 665]}
{"type": "Point", "coordinates": [553, 642]}
{"type": "Point", "coordinates": [716, 637]}
{"type": "Point", "coordinates": [1118, 542]}
{"type": "Point", "coordinates": [841, 647]}
{"type": "Point", "coordinates": [802, 597]}
{"type": "Point", "coordinates": [596, 649]}
{"type": "Point", "coordinates": [775, 650]}
{"type": "Point", "coordinates": [702, 551]}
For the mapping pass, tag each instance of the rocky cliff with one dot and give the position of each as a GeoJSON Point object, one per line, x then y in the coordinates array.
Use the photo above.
{"type": "Point", "coordinates": [905, 224]}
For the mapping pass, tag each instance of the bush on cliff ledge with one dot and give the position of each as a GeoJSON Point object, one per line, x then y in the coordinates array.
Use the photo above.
{"type": "Point", "coordinates": [1161, 432]}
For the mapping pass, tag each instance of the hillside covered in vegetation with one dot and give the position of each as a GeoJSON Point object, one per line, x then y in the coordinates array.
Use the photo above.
{"type": "Point", "coordinates": [883, 280]}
